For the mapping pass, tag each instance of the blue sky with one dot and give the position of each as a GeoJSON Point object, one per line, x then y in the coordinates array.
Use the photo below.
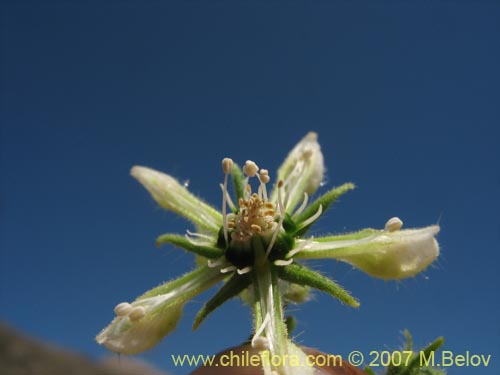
{"type": "Point", "coordinates": [405, 98]}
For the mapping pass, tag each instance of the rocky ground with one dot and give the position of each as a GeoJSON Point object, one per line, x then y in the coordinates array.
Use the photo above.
{"type": "Point", "coordinates": [22, 355]}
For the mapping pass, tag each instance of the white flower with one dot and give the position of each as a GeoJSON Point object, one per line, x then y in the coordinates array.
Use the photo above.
{"type": "Point", "coordinates": [384, 254]}
{"type": "Point", "coordinates": [255, 245]}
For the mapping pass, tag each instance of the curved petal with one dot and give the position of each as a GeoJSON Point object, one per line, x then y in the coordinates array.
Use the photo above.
{"type": "Point", "coordinates": [143, 323]}
{"type": "Point", "coordinates": [387, 255]}
{"type": "Point", "coordinates": [171, 195]}
{"type": "Point", "coordinates": [302, 171]}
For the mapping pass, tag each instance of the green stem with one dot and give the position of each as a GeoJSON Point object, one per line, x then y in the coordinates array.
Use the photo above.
{"type": "Point", "coordinates": [268, 301]}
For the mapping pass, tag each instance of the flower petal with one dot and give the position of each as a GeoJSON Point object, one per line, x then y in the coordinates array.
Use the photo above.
{"type": "Point", "coordinates": [156, 313]}
{"type": "Point", "coordinates": [387, 255]}
{"type": "Point", "coordinates": [171, 195]}
{"type": "Point", "coordinates": [302, 171]}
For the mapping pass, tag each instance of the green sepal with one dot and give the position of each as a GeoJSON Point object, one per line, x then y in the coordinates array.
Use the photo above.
{"type": "Point", "coordinates": [182, 242]}
{"type": "Point", "coordinates": [299, 274]}
{"type": "Point", "coordinates": [291, 323]}
{"type": "Point", "coordinates": [289, 224]}
{"type": "Point", "coordinates": [409, 340]}
{"type": "Point", "coordinates": [238, 183]}
{"type": "Point", "coordinates": [414, 366]}
{"type": "Point", "coordinates": [234, 286]}
{"type": "Point", "coordinates": [325, 201]}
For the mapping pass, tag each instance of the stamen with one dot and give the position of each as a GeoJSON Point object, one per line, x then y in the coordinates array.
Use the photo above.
{"type": "Point", "coordinates": [227, 165]}
{"type": "Point", "coordinates": [281, 262]}
{"type": "Point", "coordinates": [123, 309]}
{"type": "Point", "coordinates": [261, 329]}
{"type": "Point", "coordinates": [137, 313]}
{"type": "Point", "coordinates": [264, 176]}
{"type": "Point", "coordinates": [256, 228]}
{"type": "Point", "coordinates": [216, 263]}
{"type": "Point", "coordinates": [302, 206]}
{"type": "Point", "coordinates": [250, 168]}
{"type": "Point", "coordinates": [198, 243]}
{"type": "Point", "coordinates": [228, 198]}
{"type": "Point", "coordinates": [312, 218]}
{"type": "Point", "coordinates": [201, 235]}
{"type": "Point", "coordinates": [393, 224]}
{"type": "Point", "coordinates": [264, 179]}
{"type": "Point", "coordinates": [227, 269]}
{"type": "Point", "coordinates": [244, 270]}
{"type": "Point", "coordinates": [280, 223]}
{"type": "Point", "coordinates": [260, 343]}
{"type": "Point", "coordinates": [299, 248]}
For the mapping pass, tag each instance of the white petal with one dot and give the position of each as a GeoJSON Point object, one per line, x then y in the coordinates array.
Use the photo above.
{"type": "Point", "coordinates": [302, 171]}
{"type": "Point", "coordinates": [170, 194]}
{"type": "Point", "coordinates": [383, 254]}
{"type": "Point", "coordinates": [156, 313]}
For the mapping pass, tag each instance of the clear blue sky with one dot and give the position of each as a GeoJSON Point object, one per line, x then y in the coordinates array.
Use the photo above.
{"type": "Point", "coordinates": [405, 97]}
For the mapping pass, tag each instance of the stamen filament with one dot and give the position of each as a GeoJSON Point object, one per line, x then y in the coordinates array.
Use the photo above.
{"type": "Point", "coordinates": [245, 270]}
{"type": "Point", "coordinates": [302, 206]}
{"type": "Point", "coordinates": [312, 218]}
{"type": "Point", "coordinates": [227, 166]}
{"type": "Point", "coordinates": [201, 235]}
{"type": "Point", "coordinates": [280, 223]}
{"type": "Point", "coordinates": [299, 248]}
{"type": "Point", "coordinates": [216, 263]}
{"type": "Point", "coordinates": [282, 263]}
{"type": "Point", "coordinates": [260, 330]}
{"type": "Point", "coordinates": [224, 207]}
{"type": "Point", "coordinates": [228, 269]}
{"type": "Point", "coordinates": [228, 198]}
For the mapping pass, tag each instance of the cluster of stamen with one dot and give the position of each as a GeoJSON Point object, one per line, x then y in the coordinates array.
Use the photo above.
{"type": "Point", "coordinates": [126, 309]}
{"type": "Point", "coordinates": [256, 215]}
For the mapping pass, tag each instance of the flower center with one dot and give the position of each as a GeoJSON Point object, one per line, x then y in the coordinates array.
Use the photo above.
{"type": "Point", "coordinates": [256, 222]}
{"type": "Point", "coordinates": [255, 216]}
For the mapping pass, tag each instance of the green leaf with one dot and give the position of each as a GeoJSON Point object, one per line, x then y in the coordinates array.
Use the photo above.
{"type": "Point", "coordinates": [325, 201]}
{"type": "Point", "coordinates": [432, 347]}
{"type": "Point", "coordinates": [238, 183]}
{"type": "Point", "coordinates": [299, 274]}
{"type": "Point", "coordinates": [409, 340]}
{"type": "Point", "coordinates": [235, 285]}
{"type": "Point", "coordinates": [210, 252]}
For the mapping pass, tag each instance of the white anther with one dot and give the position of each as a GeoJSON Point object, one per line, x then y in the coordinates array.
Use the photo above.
{"type": "Point", "coordinates": [260, 343]}
{"type": "Point", "coordinates": [281, 262]}
{"type": "Point", "coordinates": [137, 313]}
{"type": "Point", "coordinates": [250, 168]}
{"type": "Point", "coordinates": [255, 339]}
{"type": "Point", "coordinates": [307, 153]}
{"type": "Point", "coordinates": [244, 270]}
{"type": "Point", "coordinates": [264, 176]}
{"type": "Point", "coordinates": [393, 224]}
{"type": "Point", "coordinates": [227, 165]}
{"type": "Point", "coordinates": [227, 269]}
{"type": "Point", "coordinates": [123, 309]}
